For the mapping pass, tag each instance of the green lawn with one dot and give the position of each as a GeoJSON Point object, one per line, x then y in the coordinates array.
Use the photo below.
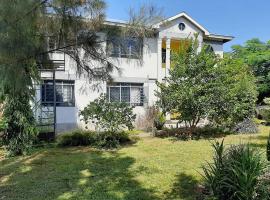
{"type": "Point", "coordinates": [153, 168]}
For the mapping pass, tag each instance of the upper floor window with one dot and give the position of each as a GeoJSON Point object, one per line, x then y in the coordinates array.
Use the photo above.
{"type": "Point", "coordinates": [131, 93]}
{"type": "Point", "coordinates": [125, 47]}
{"type": "Point", "coordinates": [64, 90]}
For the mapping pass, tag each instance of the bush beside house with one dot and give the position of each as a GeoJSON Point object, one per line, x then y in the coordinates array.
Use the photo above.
{"type": "Point", "coordinates": [93, 139]}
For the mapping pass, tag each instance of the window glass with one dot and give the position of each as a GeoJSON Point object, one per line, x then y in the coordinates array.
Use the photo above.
{"type": "Point", "coordinates": [124, 47]}
{"type": "Point", "coordinates": [135, 95]}
{"type": "Point", "coordinates": [125, 94]}
{"type": "Point", "coordinates": [64, 91]}
{"type": "Point", "coordinates": [115, 94]}
{"type": "Point", "coordinates": [131, 93]}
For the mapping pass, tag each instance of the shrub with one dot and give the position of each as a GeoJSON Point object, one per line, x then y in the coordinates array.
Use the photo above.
{"type": "Point", "coordinates": [234, 173]}
{"type": "Point", "coordinates": [159, 121]}
{"type": "Point", "coordinates": [263, 186]}
{"type": "Point", "coordinates": [108, 116]}
{"type": "Point", "coordinates": [268, 148]}
{"type": "Point", "coordinates": [184, 133]}
{"type": "Point", "coordinates": [263, 112]}
{"type": "Point", "coordinates": [20, 131]}
{"type": "Point", "coordinates": [76, 138]}
{"type": "Point", "coordinates": [95, 139]}
{"type": "Point", "coordinates": [111, 139]}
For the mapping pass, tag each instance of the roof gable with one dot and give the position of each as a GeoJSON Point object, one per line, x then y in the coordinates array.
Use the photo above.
{"type": "Point", "coordinates": [185, 15]}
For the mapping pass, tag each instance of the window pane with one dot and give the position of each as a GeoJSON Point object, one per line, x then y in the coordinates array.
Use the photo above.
{"type": "Point", "coordinates": [135, 47]}
{"type": "Point", "coordinates": [125, 94]}
{"type": "Point", "coordinates": [135, 95]}
{"type": "Point", "coordinates": [49, 93]}
{"type": "Point", "coordinates": [64, 93]}
{"type": "Point", "coordinates": [125, 50]}
{"type": "Point", "coordinates": [59, 94]}
{"type": "Point", "coordinates": [68, 94]}
{"type": "Point", "coordinates": [114, 94]}
{"type": "Point", "coordinates": [113, 47]}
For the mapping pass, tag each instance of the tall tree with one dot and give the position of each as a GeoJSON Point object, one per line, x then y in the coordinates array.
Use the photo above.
{"type": "Point", "coordinates": [256, 54]}
{"type": "Point", "coordinates": [73, 26]}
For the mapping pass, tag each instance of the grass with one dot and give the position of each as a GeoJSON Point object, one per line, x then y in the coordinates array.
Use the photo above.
{"type": "Point", "coordinates": [152, 168]}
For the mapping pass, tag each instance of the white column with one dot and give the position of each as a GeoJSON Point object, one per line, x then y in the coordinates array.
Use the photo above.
{"type": "Point", "coordinates": [168, 56]}
{"type": "Point", "coordinates": [159, 59]}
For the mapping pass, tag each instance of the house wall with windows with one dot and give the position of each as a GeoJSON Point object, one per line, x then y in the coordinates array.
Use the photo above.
{"type": "Point", "coordinates": [135, 84]}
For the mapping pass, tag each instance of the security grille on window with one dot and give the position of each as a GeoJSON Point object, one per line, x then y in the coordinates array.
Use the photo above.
{"type": "Point", "coordinates": [125, 48]}
{"type": "Point", "coordinates": [64, 93]}
{"type": "Point", "coordinates": [131, 93]}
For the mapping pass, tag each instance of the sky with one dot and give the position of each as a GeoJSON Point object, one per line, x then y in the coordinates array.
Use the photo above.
{"type": "Point", "coordinates": [243, 19]}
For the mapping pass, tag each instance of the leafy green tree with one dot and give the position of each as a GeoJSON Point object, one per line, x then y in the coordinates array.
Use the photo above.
{"type": "Point", "coordinates": [256, 54]}
{"type": "Point", "coordinates": [20, 131]}
{"type": "Point", "coordinates": [108, 116]}
{"type": "Point", "coordinates": [201, 85]}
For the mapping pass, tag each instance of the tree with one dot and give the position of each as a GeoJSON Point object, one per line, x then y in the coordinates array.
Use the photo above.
{"type": "Point", "coordinates": [201, 85]}
{"type": "Point", "coordinates": [72, 26]}
{"type": "Point", "coordinates": [256, 54]}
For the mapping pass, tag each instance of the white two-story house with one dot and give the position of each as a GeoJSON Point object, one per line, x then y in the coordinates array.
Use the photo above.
{"type": "Point", "coordinates": [135, 85]}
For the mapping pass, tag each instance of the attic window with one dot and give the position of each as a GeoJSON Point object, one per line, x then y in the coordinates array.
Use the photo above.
{"type": "Point", "coordinates": [181, 26]}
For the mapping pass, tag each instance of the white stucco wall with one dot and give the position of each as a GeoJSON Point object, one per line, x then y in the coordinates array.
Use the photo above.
{"type": "Point", "coordinates": [217, 46]}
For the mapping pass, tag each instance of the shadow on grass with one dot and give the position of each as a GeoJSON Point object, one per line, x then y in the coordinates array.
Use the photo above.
{"type": "Point", "coordinates": [71, 173]}
{"type": "Point", "coordinates": [185, 187]}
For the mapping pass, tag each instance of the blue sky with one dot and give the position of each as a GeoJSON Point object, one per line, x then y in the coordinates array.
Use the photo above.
{"type": "Point", "coordinates": [243, 19]}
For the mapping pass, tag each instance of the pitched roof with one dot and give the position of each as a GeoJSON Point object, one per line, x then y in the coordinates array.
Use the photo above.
{"type": "Point", "coordinates": [185, 15]}
{"type": "Point", "coordinates": [207, 34]}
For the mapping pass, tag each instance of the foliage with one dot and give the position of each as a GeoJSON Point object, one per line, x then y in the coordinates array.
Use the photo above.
{"type": "Point", "coordinates": [20, 131]}
{"type": "Point", "coordinates": [256, 54]}
{"type": "Point", "coordinates": [159, 120]}
{"type": "Point", "coordinates": [198, 133]}
{"type": "Point", "coordinates": [268, 148]}
{"type": "Point", "coordinates": [203, 86]}
{"type": "Point", "coordinates": [3, 125]}
{"type": "Point", "coordinates": [108, 116]}
{"type": "Point", "coordinates": [234, 173]}
{"type": "Point", "coordinates": [76, 138]}
{"type": "Point", "coordinates": [263, 112]}
{"type": "Point", "coordinates": [95, 139]}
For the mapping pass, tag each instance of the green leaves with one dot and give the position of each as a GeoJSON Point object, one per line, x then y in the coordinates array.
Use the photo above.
{"type": "Point", "coordinates": [256, 54]}
{"type": "Point", "coordinates": [201, 85]}
{"type": "Point", "coordinates": [108, 116]}
{"type": "Point", "coordinates": [20, 130]}
{"type": "Point", "coordinates": [235, 173]}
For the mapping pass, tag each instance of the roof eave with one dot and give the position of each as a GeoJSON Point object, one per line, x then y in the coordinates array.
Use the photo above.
{"type": "Point", "coordinates": [221, 38]}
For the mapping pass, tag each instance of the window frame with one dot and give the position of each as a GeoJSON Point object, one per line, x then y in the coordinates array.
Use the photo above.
{"type": "Point", "coordinates": [121, 85]}
{"type": "Point", "coordinates": [118, 46]}
{"type": "Point", "coordinates": [63, 83]}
